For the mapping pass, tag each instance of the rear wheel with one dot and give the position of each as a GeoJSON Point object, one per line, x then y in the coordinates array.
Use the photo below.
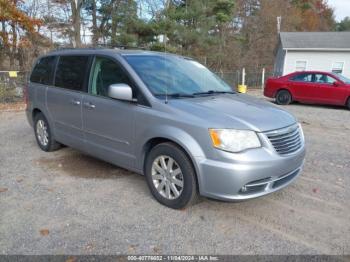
{"type": "Point", "coordinates": [43, 134]}
{"type": "Point", "coordinates": [170, 176]}
{"type": "Point", "coordinates": [283, 97]}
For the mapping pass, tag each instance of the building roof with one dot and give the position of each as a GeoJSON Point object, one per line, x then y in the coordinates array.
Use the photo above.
{"type": "Point", "coordinates": [315, 40]}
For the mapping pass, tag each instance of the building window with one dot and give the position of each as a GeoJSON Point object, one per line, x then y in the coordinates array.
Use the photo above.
{"type": "Point", "coordinates": [300, 66]}
{"type": "Point", "coordinates": [338, 67]}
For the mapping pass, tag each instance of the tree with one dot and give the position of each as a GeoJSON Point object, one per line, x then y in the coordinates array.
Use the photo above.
{"type": "Point", "coordinates": [344, 25]}
{"type": "Point", "coordinates": [223, 34]}
{"type": "Point", "coordinates": [76, 20]}
{"type": "Point", "coordinates": [316, 15]}
{"type": "Point", "coordinates": [72, 27]}
{"type": "Point", "coordinates": [17, 29]}
{"type": "Point", "coordinates": [197, 28]}
{"type": "Point", "coordinates": [256, 22]}
{"type": "Point", "coordinates": [91, 7]}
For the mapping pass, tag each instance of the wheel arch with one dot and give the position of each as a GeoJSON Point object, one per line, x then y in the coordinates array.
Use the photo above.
{"type": "Point", "coordinates": [154, 141]}
{"type": "Point", "coordinates": [283, 88]}
{"type": "Point", "coordinates": [35, 112]}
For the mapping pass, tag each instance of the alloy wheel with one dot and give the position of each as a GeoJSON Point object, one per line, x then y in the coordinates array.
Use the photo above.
{"type": "Point", "coordinates": [167, 177]}
{"type": "Point", "coordinates": [41, 132]}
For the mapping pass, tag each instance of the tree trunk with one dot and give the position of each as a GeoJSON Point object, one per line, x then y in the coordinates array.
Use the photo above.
{"type": "Point", "coordinates": [95, 31]}
{"type": "Point", "coordinates": [5, 42]}
{"type": "Point", "coordinates": [114, 24]}
{"type": "Point", "coordinates": [14, 46]}
{"type": "Point", "coordinates": [76, 20]}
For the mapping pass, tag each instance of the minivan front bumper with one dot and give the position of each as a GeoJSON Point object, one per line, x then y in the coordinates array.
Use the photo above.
{"type": "Point", "coordinates": [249, 175]}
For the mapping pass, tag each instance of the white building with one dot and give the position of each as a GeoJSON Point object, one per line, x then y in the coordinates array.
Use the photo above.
{"type": "Point", "coordinates": [323, 51]}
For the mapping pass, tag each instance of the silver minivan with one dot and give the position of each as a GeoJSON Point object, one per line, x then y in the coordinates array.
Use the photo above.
{"type": "Point", "coordinates": [167, 117]}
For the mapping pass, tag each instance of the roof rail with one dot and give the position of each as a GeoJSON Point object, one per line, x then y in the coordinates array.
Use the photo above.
{"type": "Point", "coordinates": [99, 47]}
{"type": "Point", "coordinates": [80, 48]}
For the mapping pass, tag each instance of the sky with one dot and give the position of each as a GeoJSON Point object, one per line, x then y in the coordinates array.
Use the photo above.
{"type": "Point", "coordinates": [341, 8]}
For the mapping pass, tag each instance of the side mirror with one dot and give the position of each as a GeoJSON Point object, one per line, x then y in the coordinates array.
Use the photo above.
{"type": "Point", "coordinates": [120, 92]}
{"type": "Point", "coordinates": [336, 83]}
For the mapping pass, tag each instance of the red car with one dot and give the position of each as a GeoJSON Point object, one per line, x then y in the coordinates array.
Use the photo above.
{"type": "Point", "coordinates": [309, 87]}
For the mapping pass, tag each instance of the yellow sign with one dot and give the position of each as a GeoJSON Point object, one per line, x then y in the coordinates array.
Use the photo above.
{"type": "Point", "coordinates": [242, 89]}
{"type": "Point", "coordinates": [13, 73]}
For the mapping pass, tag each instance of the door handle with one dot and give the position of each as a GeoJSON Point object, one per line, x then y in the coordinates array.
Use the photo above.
{"type": "Point", "coordinates": [75, 102]}
{"type": "Point", "coordinates": [89, 105]}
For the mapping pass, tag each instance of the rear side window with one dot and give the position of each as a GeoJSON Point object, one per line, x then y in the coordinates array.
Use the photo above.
{"type": "Point", "coordinates": [302, 78]}
{"type": "Point", "coordinates": [43, 71]}
{"type": "Point", "coordinates": [71, 72]}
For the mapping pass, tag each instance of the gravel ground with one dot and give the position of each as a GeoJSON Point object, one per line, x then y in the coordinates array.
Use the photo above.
{"type": "Point", "coordinates": [68, 203]}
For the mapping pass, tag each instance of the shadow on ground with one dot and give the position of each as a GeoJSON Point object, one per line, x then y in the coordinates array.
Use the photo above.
{"type": "Point", "coordinates": [75, 163]}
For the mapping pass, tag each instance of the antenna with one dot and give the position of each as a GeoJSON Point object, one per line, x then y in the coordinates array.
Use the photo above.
{"type": "Point", "coordinates": [166, 94]}
{"type": "Point", "coordinates": [166, 87]}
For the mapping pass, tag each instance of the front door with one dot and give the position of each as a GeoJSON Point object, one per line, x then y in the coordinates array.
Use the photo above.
{"type": "Point", "coordinates": [302, 87]}
{"type": "Point", "coordinates": [64, 101]}
{"type": "Point", "coordinates": [325, 89]}
{"type": "Point", "coordinates": [108, 123]}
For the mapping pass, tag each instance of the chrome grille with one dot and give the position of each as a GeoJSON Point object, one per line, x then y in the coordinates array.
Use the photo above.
{"type": "Point", "coordinates": [287, 140]}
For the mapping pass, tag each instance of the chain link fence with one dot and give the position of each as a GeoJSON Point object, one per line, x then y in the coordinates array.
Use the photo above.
{"type": "Point", "coordinates": [253, 79]}
{"type": "Point", "coordinates": [12, 85]}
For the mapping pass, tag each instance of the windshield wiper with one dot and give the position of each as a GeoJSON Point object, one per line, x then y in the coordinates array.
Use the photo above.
{"type": "Point", "coordinates": [175, 95]}
{"type": "Point", "coordinates": [211, 92]}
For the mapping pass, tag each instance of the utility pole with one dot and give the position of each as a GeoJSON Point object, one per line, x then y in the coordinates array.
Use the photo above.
{"type": "Point", "coordinates": [279, 22]}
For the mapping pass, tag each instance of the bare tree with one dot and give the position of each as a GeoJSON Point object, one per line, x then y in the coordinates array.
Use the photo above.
{"type": "Point", "coordinates": [76, 6]}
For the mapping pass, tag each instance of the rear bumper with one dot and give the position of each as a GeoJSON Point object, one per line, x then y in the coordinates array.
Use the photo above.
{"type": "Point", "coordinates": [241, 178]}
{"type": "Point", "coordinates": [268, 93]}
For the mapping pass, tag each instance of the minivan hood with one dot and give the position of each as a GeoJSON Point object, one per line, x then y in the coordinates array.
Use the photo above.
{"type": "Point", "coordinates": [235, 111]}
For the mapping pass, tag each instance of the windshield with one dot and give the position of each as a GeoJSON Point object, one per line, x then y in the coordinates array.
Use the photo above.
{"type": "Point", "coordinates": [343, 78]}
{"type": "Point", "coordinates": [175, 75]}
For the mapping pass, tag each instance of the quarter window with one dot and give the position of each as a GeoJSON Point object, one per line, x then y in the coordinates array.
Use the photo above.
{"type": "Point", "coordinates": [71, 72]}
{"type": "Point", "coordinates": [43, 71]}
{"type": "Point", "coordinates": [106, 72]}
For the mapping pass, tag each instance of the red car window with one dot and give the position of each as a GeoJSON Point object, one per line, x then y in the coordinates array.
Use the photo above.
{"type": "Point", "coordinates": [304, 77]}
{"type": "Point", "coordinates": [324, 79]}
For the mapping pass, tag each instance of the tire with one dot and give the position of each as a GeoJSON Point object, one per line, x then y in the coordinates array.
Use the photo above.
{"type": "Point", "coordinates": [188, 194]}
{"type": "Point", "coordinates": [348, 103]}
{"type": "Point", "coordinates": [41, 129]}
{"type": "Point", "coordinates": [283, 97]}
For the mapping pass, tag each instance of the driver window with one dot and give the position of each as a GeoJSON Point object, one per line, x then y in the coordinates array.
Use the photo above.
{"type": "Point", "coordinates": [104, 73]}
{"type": "Point", "coordinates": [324, 79]}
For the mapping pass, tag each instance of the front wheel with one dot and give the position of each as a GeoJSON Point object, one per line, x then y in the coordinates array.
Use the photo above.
{"type": "Point", "coordinates": [170, 176]}
{"type": "Point", "coordinates": [348, 103]}
{"type": "Point", "coordinates": [283, 97]}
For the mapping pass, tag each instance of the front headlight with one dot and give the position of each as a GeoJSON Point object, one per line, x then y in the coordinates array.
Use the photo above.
{"type": "Point", "coordinates": [301, 132]}
{"type": "Point", "coordinates": [233, 140]}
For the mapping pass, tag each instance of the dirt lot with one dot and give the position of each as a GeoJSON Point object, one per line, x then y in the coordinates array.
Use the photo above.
{"type": "Point", "coordinates": [69, 203]}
